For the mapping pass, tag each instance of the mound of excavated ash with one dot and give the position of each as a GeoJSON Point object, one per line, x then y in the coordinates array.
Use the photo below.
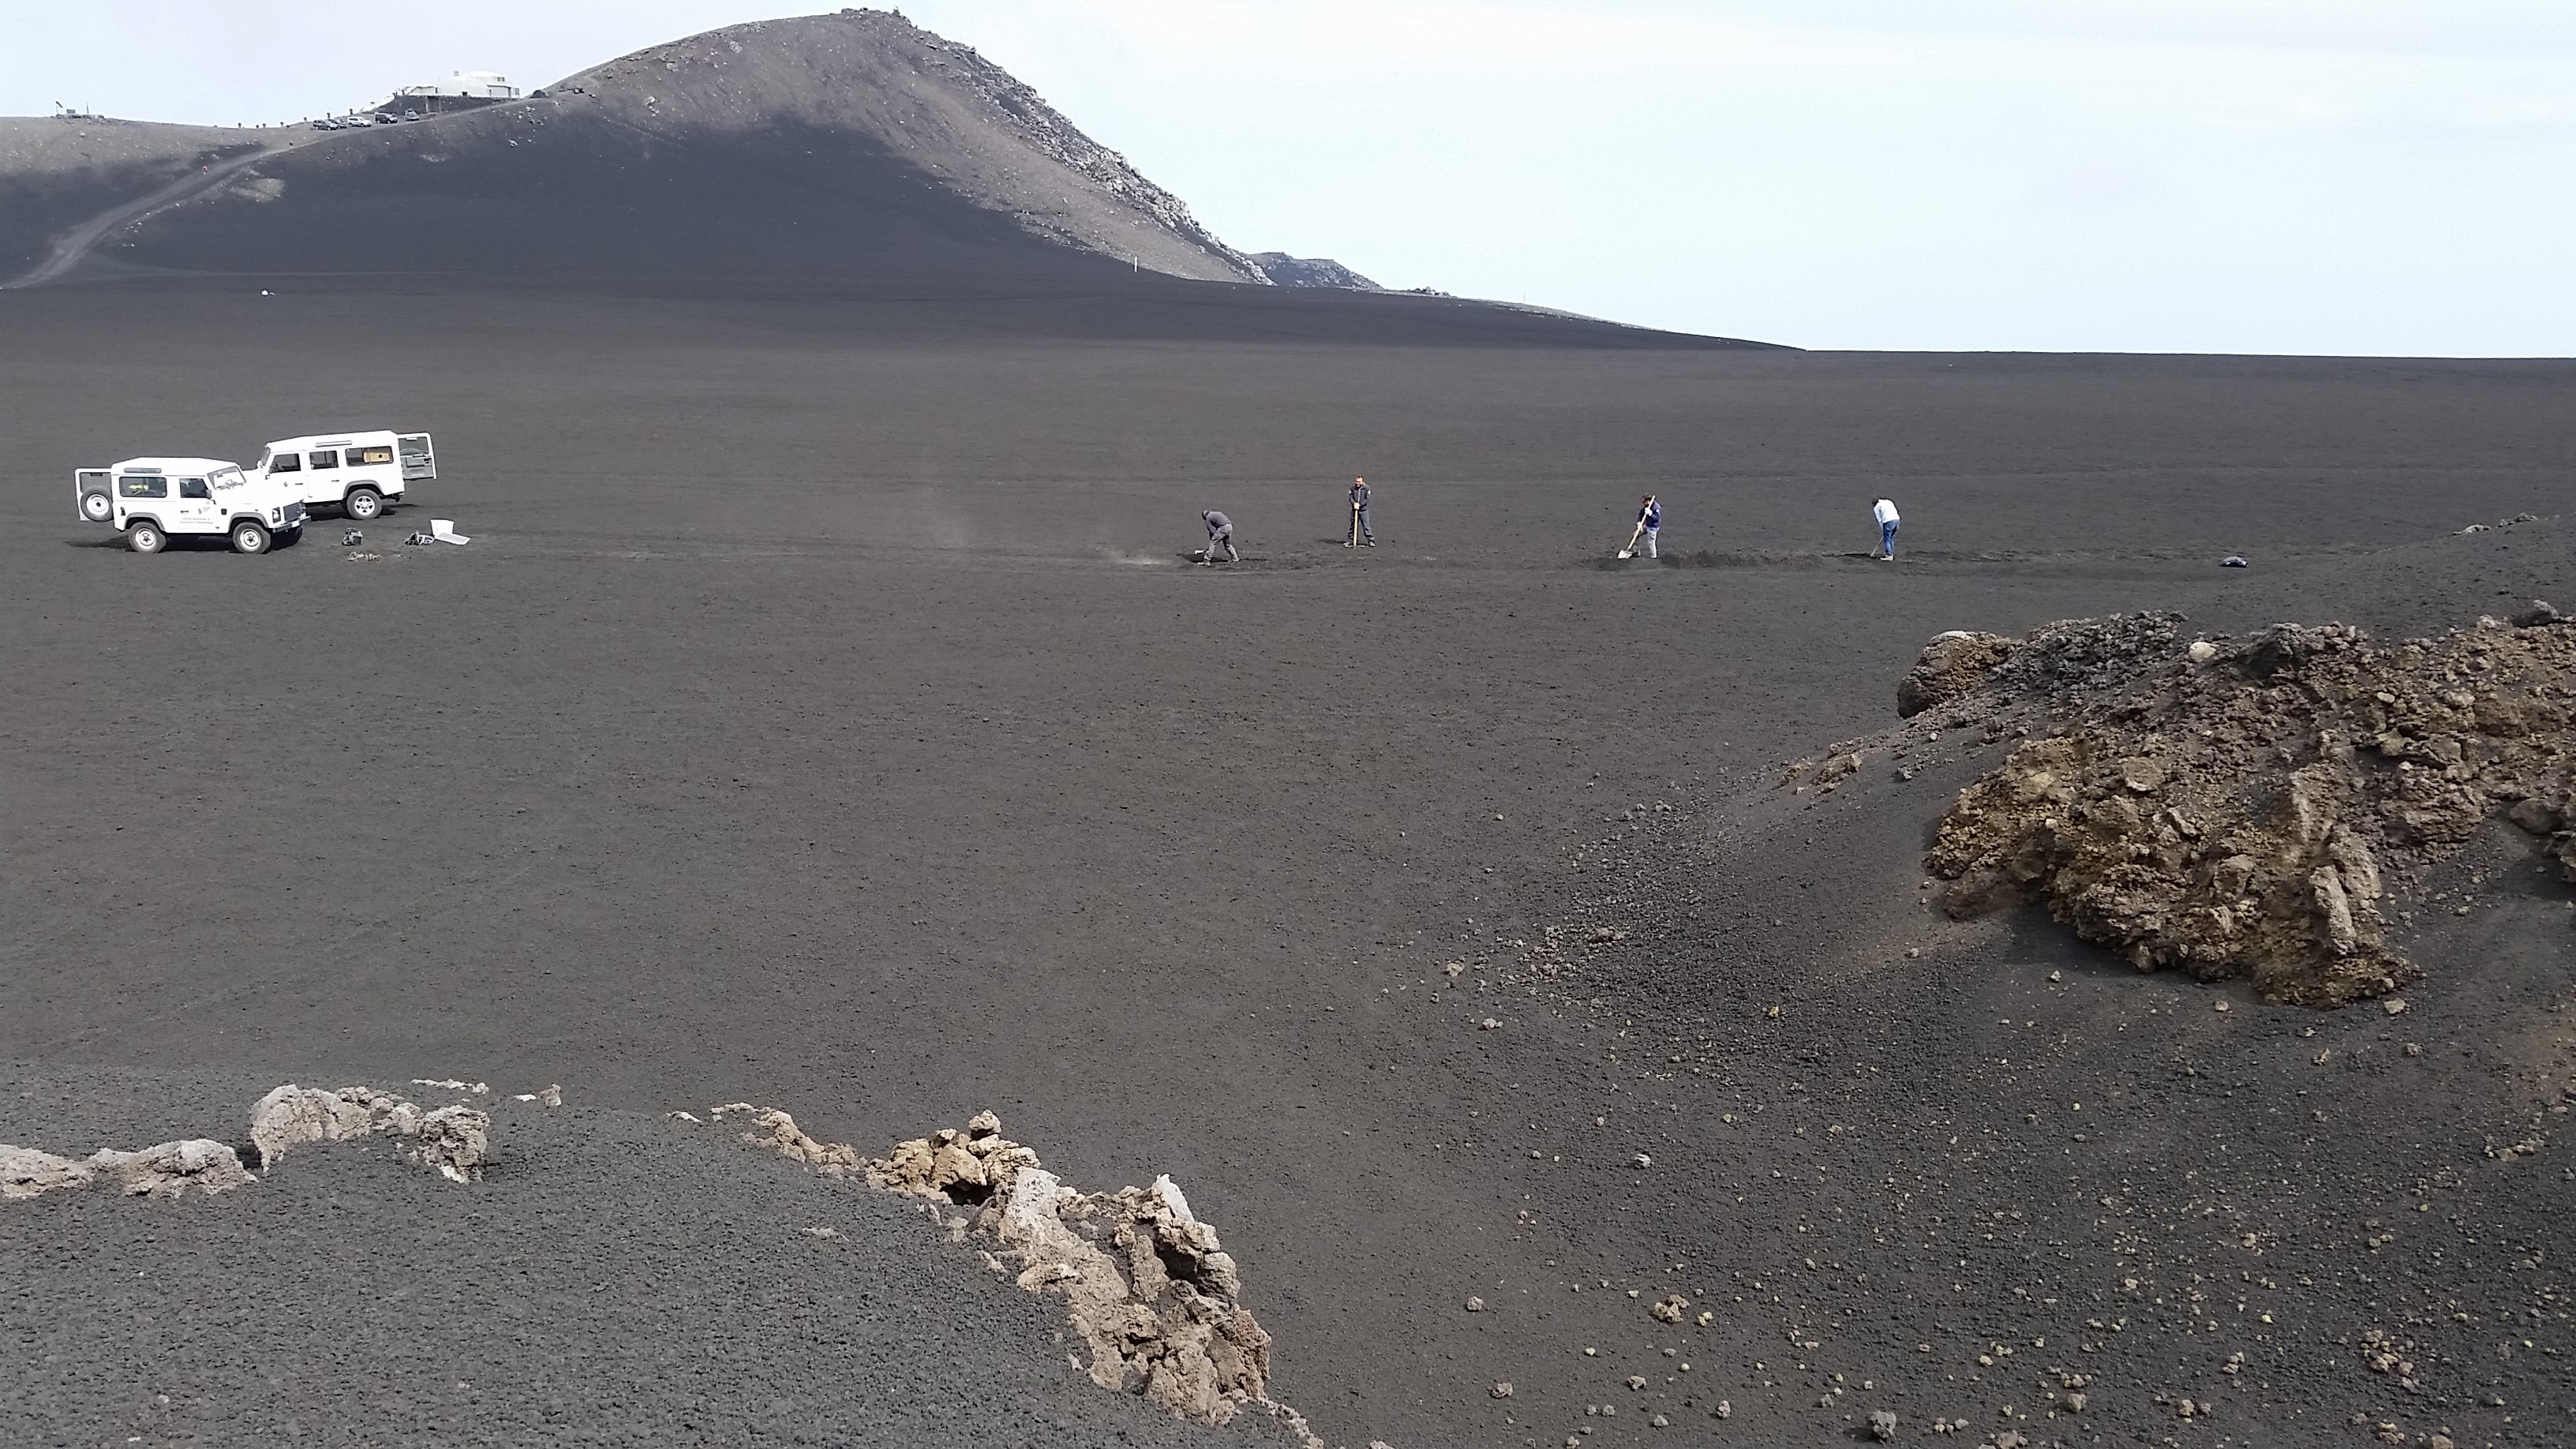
{"type": "Point", "coordinates": [1148, 1288]}
{"type": "Point", "coordinates": [2255, 808]}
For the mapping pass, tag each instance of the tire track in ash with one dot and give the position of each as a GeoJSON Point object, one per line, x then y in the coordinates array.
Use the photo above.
{"type": "Point", "coordinates": [75, 245]}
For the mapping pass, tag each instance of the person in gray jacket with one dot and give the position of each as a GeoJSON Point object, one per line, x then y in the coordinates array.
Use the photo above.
{"type": "Point", "coordinates": [1220, 536]}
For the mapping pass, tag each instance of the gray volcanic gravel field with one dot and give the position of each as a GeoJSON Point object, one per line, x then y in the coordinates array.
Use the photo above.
{"type": "Point", "coordinates": [823, 716]}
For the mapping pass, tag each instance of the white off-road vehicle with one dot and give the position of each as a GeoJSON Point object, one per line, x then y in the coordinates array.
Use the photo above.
{"type": "Point", "coordinates": [359, 472]}
{"type": "Point", "coordinates": [151, 500]}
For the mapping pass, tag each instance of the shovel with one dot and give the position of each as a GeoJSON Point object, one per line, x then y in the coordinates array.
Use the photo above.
{"type": "Point", "coordinates": [1629, 549]}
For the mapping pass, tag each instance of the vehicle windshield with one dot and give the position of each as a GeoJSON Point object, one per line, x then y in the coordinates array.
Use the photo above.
{"type": "Point", "coordinates": [226, 477]}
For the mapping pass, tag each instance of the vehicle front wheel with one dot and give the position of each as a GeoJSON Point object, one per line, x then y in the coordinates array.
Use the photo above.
{"type": "Point", "coordinates": [146, 538]}
{"type": "Point", "coordinates": [363, 504]}
{"type": "Point", "coordinates": [249, 537]}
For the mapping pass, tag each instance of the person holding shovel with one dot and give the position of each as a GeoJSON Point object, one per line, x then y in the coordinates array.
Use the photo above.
{"type": "Point", "coordinates": [1650, 520]}
{"type": "Point", "coordinates": [1362, 536]}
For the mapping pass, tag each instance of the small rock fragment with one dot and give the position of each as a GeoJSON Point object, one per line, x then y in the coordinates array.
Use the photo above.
{"type": "Point", "coordinates": [1882, 1424]}
{"type": "Point", "coordinates": [1503, 1389]}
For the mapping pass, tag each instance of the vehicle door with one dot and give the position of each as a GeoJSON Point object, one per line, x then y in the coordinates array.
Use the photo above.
{"type": "Point", "coordinates": [418, 461]}
{"type": "Point", "coordinates": [97, 500]}
{"type": "Point", "coordinates": [193, 511]}
{"type": "Point", "coordinates": [323, 483]}
{"type": "Point", "coordinates": [286, 470]}
{"type": "Point", "coordinates": [147, 494]}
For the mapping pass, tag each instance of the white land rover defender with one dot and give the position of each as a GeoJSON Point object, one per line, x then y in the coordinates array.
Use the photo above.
{"type": "Point", "coordinates": [152, 499]}
{"type": "Point", "coordinates": [359, 472]}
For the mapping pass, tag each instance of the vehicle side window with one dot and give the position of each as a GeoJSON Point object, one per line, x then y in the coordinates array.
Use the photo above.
{"type": "Point", "coordinates": [362, 457]}
{"type": "Point", "coordinates": [327, 458]}
{"type": "Point", "coordinates": [136, 485]}
{"type": "Point", "coordinates": [193, 488]}
{"type": "Point", "coordinates": [286, 463]}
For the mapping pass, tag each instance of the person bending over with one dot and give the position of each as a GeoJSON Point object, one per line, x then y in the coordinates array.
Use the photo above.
{"type": "Point", "coordinates": [1885, 513]}
{"type": "Point", "coordinates": [1220, 536]}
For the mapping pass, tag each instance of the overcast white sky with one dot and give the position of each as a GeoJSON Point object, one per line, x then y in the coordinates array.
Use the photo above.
{"type": "Point", "coordinates": [2321, 176]}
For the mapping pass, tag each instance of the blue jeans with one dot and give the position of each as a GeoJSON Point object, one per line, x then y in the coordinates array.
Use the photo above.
{"type": "Point", "coordinates": [1887, 539]}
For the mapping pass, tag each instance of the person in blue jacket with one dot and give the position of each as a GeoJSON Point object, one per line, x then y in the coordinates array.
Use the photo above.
{"type": "Point", "coordinates": [1650, 519]}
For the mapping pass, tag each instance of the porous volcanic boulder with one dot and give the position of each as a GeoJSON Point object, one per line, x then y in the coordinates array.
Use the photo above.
{"type": "Point", "coordinates": [453, 1142]}
{"type": "Point", "coordinates": [2251, 814]}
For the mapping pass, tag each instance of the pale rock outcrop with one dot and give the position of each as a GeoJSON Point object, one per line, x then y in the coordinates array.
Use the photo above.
{"type": "Point", "coordinates": [291, 1116]}
{"type": "Point", "coordinates": [451, 1141]}
{"type": "Point", "coordinates": [1151, 1290]}
{"type": "Point", "coordinates": [196, 1167]}
{"type": "Point", "coordinates": [1148, 1286]}
{"type": "Point", "coordinates": [778, 1132]}
{"type": "Point", "coordinates": [26, 1172]}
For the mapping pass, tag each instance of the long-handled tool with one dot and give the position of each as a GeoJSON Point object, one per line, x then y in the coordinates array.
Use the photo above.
{"type": "Point", "coordinates": [1355, 527]}
{"type": "Point", "coordinates": [1629, 549]}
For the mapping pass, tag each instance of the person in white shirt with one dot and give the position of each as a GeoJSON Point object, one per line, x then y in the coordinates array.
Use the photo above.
{"type": "Point", "coordinates": [1885, 512]}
